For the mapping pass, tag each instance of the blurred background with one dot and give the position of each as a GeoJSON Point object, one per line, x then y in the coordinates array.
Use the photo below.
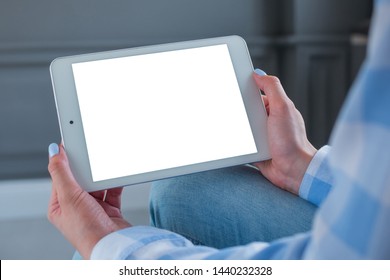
{"type": "Point", "coordinates": [314, 46]}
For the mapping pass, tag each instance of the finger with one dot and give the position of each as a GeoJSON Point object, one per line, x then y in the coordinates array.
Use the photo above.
{"type": "Point", "coordinates": [98, 194]}
{"type": "Point", "coordinates": [272, 88]}
{"type": "Point", "coordinates": [60, 172]}
{"type": "Point", "coordinates": [113, 196]}
{"type": "Point", "coordinates": [266, 103]}
{"type": "Point", "coordinates": [279, 103]}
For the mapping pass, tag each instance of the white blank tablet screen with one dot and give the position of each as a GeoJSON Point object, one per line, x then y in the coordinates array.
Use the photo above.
{"type": "Point", "coordinates": [158, 111]}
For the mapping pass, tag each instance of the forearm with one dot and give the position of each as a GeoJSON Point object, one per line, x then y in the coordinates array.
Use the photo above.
{"type": "Point", "coordinates": [157, 244]}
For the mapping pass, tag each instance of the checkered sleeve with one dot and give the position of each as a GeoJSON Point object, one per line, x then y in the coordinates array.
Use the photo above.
{"type": "Point", "coordinates": [318, 179]}
{"type": "Point", "coordinates": [354, 221]}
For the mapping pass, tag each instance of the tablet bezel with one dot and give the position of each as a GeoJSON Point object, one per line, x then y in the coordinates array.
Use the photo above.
{"type": "Point", "coordinates": [73, 134]}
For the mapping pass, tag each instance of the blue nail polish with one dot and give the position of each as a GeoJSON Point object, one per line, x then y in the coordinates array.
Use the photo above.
{"type": "Point", "coordinates": [260, 72]}
{"type": "Point", "coordinates": [53, 149]}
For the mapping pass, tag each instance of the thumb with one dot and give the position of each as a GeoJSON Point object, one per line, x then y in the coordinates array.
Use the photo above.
{"type": "Point", "coordinates": [60, 172]}
{"type": "Point", "coordinates": [272, 88]}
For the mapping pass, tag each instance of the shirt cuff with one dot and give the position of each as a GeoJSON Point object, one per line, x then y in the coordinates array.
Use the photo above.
{"type": "Point", "coordinates": [133, 243]}
{"type": "Point", "coordinates": [317, 181]}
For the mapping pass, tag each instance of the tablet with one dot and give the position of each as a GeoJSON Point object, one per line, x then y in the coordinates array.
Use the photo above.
{"type": "Point", "coordinates": [143, 114]}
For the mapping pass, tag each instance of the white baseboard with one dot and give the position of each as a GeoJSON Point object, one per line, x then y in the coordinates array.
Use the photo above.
{"type": "Point", "coordinates": [28, 198]}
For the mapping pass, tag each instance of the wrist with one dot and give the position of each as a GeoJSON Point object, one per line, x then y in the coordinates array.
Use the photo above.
{"type": "Point", "coordinates": [98, 232]}
{"type": "Point", "coordinates": [288, 173]}
{"type": "Point", "coordinates": [297, 169]}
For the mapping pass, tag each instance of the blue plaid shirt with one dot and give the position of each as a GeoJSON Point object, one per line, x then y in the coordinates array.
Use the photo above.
{"type": "Point", "coordinates": [350, 182]}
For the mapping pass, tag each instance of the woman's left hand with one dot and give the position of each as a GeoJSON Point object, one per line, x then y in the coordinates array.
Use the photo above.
{"type": "Point", "coordinates": [83, 218]}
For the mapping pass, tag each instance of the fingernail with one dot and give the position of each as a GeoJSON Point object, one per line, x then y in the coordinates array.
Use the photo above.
{"type": "Point", "coordinates": [260, 72]}
{"type": "Point", "coordinates": [53, 149]}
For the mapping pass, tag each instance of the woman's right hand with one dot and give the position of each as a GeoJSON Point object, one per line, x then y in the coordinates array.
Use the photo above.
{"type": "Point", "coordinates": [290, 149]}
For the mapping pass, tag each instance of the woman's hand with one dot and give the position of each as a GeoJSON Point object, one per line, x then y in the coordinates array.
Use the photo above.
{"type": "Point", "coordinates": [83, 218]}
{"type": "Point", "coordinates": [291, 152]}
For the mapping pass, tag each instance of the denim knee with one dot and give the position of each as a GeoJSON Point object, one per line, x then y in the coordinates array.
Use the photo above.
{"type": "Point", "coordinates": [227, 207]}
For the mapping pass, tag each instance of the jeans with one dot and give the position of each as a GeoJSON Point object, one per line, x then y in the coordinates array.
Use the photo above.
{"type": "Point", "coordinates": [228, 207]}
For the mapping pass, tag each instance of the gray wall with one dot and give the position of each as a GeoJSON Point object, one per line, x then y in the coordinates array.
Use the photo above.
{"type": "Point", "coordinates": [304, 42]}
